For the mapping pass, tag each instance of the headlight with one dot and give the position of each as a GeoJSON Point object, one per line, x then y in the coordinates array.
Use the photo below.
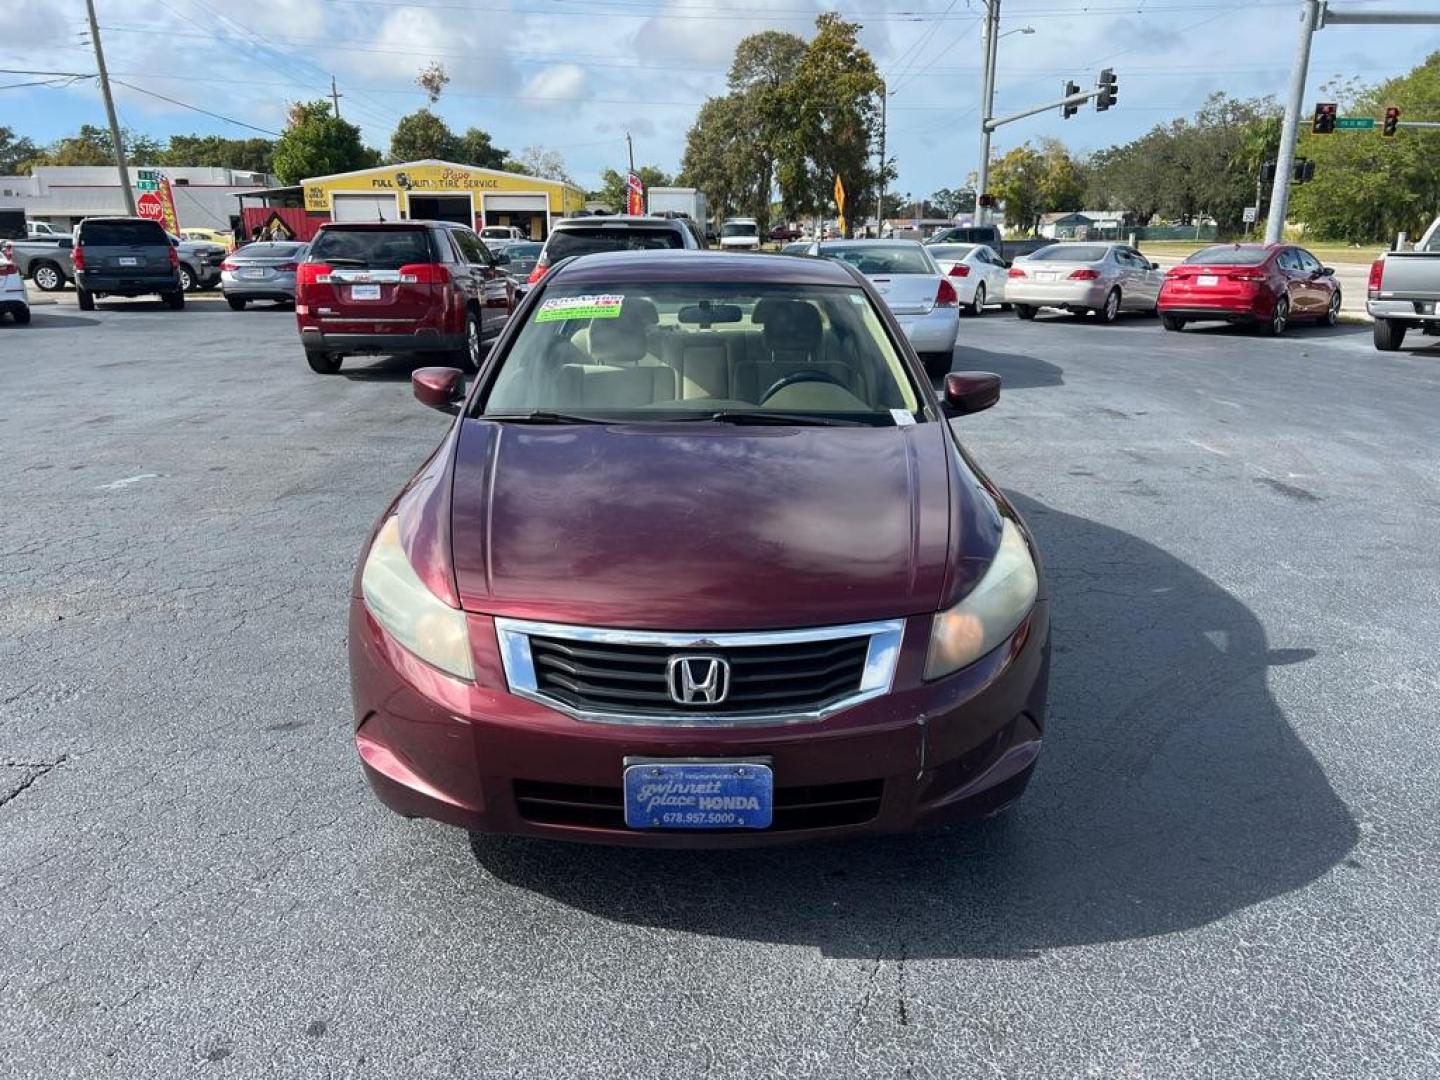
{"type": "Point", "coordinates": [411, 613]}
{"type": "Point", "coordinates": [991, 611]}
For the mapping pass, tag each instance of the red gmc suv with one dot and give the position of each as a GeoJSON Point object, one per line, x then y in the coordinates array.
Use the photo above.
{"type": "Point", "coordinates": [397, 287]}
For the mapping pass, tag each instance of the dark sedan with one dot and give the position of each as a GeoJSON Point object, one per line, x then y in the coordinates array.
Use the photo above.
{"type": "Point", "coordinates": [701, 562]}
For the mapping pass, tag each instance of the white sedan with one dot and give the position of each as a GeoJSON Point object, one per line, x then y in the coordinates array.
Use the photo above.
{"type": "Point", "coordinates": [975, 270]}
{"type": "Point", "coordinates": [13, 298]}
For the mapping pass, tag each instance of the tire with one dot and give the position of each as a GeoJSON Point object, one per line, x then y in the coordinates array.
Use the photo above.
{"type": "Point", "coordinates": [323, 363]}
{"type": "Point", "coordinates": [469, 355]}
{"type": "Point", "coordinates": [1389, 333]}
{"type": "Point", "coordinates": [1024, 311]}
{"type": "Point", "coordinates": [188, 281]}
{"type": "Point", "coordinates": [85, 298]}
{"type": "Point", "coordinates": [1332, 313]}
{"type": "Point", "coordinates": [1279, 318]}
{"type": "Point", "coordinates": [977, 302]}
{"type": "Point", "coordinates": [937, 364]}
{"type": "Point", "coordinates": [22, 316]}
{"type": "Point", "coordinates": [1170, 322]}
{"type": "Point", "coordinates": [1111, 311]}
{"type": "Point", "coordinates": [175, 301]}
{"type": "Point", "coordinates": [47, 277]}
{"type": "Point", "coordinates": [236, 303]}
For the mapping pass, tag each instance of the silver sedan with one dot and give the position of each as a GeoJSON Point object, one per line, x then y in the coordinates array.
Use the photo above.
{"type": "Point", "coordinates": [261, 271]}
{"type": "Point", "coordinates": [1101, 278]}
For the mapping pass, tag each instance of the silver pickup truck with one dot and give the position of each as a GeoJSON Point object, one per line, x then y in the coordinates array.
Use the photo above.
{"type": "Point", "coordinates": [1404, 291]}
{"type": "Point", "coordinates": [48, 262]}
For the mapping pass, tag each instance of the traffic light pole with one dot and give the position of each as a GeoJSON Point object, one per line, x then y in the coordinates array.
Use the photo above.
{"type": "Point", "coordinates": [1069, 99]}
{"type": "Point", "coordinates": [987, 105]}
{"type": "Point", "coordinates": [1314, 15]}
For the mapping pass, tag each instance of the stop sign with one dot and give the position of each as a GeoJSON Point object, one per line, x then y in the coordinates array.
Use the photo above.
{"type": "Point", "coordinates": [150, 206]}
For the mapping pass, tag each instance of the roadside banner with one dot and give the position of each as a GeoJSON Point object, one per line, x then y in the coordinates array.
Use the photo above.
{"type": "Point", "coordinates": [634, 195]}
{"type": "Point", "coordinates": [167, 206]}
{"type": "Point", "coordinates": [840, 203]}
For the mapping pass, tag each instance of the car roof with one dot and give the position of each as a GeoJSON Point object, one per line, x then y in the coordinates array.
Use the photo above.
{"type": "Point", "coordinates": [619, 267]}
{"type": "Point", "coordinates": [624, 219]}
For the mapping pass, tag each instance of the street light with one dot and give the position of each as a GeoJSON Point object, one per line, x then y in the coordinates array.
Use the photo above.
{"type": "Point", "coordinates": [1018, 30]}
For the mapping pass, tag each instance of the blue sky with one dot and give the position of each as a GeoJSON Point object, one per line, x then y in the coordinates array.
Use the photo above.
{"type": "Point", "coordinates": [575, 75]}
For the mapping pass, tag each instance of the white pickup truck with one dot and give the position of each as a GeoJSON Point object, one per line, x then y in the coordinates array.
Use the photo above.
{"type": "Point", "coordinates": [1404, 291]}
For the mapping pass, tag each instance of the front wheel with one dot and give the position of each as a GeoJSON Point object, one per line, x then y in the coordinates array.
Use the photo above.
{"type": "Point", "coordinates": [47, 277]}
{"type": "Point", "coordinates": [1170, 322]}
{"type": "Point", "coordinates": [22, 316]}
{"type": "Point", "coordinates": [937, 364]}
{"type": "Point", "coordinates": [1111, 309]}
{"type": "Point", "coordinates": [175, 301]}
{"type": "Point", "coordinates": [1389, 334]}
{"type": "Point", "coordinates": [1278, 318]}
{"type": "Point", "coordinates": [323, 363]}
{"type": "Point", "coordinates": [1024, 311]}
{"type": "Point", "coordinates": [236, 303]}
{"type": "Point", "coordinates": [977, 302]}
{"type": "Point", "coordinates": [1332, 313]}
{"type": "Point", "coordinates": [187, 279]}
{"type": "Point", "coordinates": [469, 355]}
{"type": "Point", "coordinates": [85, 298]}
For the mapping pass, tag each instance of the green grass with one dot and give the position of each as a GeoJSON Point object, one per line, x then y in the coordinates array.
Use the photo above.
{"type": "Point", "coordinates": [1326, 252]}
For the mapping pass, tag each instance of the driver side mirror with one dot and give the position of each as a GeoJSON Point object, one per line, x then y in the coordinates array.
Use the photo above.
{"type": "Point", "coordinates": [969, 392]}
{"type": "Point", "coordinates": [1327, 271]}
{"type": "Point", "coordinates": [1154, 266]}
{"type": "Point", "coordinates": [438, 387]}
{"type": "Point", "coordinates": [501, 259]}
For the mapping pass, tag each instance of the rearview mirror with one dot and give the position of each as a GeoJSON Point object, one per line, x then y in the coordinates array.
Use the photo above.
{"type": "Point", "coordinates": [66, 243]}
{"type": "Point", "coordinates": [969, 392]}
{"type": "Point", "coordinates": [438, 387]}
{"type": "Point", "coordinates": [707, 314]}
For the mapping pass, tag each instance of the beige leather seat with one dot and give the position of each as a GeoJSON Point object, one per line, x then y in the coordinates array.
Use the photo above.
{"type": "Point", "coordinates": [792, 339]}
{"type": "Point", "coordinates": [625, 374]}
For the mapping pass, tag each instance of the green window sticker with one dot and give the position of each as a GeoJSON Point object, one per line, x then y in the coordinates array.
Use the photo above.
{"type": "Point", "coordinates": [561, 308]}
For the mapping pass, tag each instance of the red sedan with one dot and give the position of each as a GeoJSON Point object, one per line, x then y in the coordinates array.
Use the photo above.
{"type": "Point", "coordinates": [700, 562]}
{"type": "Point", "coordinates": [1270, 285]}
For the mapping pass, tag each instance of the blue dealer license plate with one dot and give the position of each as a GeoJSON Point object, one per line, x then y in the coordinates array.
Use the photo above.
{"type": "Point", "coordinates": [698, 795]}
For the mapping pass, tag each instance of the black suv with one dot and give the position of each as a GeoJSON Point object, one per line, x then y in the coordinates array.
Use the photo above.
{"type": "Point", "coordinates": [125, 256]}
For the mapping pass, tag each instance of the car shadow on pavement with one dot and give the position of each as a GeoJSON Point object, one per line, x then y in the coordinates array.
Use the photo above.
{"type": "Point", "coordinates": [1017, 372]}
{"type": "Point", "coordinates": [394, 368]}
{"type": "Point", "coordinates": [1172, 793]}
{"type": "Point", "coordinates": [42, 318]}
{"type": "Point", "coordinates": [1297, 333]}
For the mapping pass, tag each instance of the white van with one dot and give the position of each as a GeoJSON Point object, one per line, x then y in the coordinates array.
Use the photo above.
{"type": "Point", "coordinates": [740, 234]}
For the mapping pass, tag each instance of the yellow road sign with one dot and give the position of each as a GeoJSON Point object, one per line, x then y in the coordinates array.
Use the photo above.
{"type": "Point", "coordinates": [839, 196]}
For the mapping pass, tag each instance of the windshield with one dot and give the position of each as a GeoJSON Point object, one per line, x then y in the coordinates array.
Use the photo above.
{"type": "Point", "coordinates": [1229, 255]}
{"type": "Point", "coordinates": [1082, 253]}
{"type": "Point", "coordinates": [668, 351]}
{"type": "Point", "coordinates": [739, 228]}
{"type": "Point", "coordinates": [881, 259]}
{"type": "Point", "coordinates": [523, 251]}
{"type": "Point", "coordinates": [589, 241]}
{"type": "Point", "coordinates": [379, 249]}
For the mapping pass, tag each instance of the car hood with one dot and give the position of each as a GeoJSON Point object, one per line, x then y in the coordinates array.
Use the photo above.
{"type": "Point", "coordinates": [698, 526]}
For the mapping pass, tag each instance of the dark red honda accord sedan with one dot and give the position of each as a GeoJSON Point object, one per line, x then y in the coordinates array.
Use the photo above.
{"type": "Point", "coordinates": [701, 562]}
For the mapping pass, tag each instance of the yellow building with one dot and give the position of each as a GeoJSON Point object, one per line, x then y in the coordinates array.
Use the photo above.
{"type": "Point", "coordinates": [441, 191]}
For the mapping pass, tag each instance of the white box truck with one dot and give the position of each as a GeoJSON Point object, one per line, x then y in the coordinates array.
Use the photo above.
{"type": "Point", "coordinates": [688, 201]}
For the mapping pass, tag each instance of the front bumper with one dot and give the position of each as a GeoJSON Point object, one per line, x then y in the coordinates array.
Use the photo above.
{"type": "Point", "coordinates": [934, 331]}
{"type": "Point", "coordinates": [422, 339]}
{"type": "Point", "coordinates": [476, 756]}
{"type": "Point", "coordinates": [1071, 295]}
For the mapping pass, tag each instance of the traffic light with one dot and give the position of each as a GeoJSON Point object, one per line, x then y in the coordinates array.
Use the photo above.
{"type": "Point", "coordinates": [1392, 122]}
{"type": "Point", "coordinates": [1068, 111]}
{"type": "Point", "coordinates": [1267, 173]}
{"type": "Point", "coordinates": [987, 201]}
{"type": "Point", "coordinates": [1109, 90]}
{"type": "Point", "coordinates": [1304, 170]}
{"type": "Point", "coordinates": [1324, 120]}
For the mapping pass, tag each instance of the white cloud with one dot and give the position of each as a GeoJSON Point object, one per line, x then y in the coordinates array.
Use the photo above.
{"type": "Point", "coordinates": [563, 82]}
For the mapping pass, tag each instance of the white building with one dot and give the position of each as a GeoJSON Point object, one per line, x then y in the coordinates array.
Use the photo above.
{"type": "Point", "coordinates": [63, 194]}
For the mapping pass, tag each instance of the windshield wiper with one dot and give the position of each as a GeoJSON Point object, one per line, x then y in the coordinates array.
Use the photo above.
{"type": "Point", "coordinates": [541, 416]}
{"type": "Point", "coordinates": [769, 416]}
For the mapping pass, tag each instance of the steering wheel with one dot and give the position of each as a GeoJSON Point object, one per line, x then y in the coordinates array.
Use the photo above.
{"type": "Point", "coordinates": [808, 375]}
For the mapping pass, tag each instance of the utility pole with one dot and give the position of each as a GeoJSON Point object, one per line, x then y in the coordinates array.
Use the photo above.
{"type": "Point", "coordinates": [880, 198]}
{"type": "Point", "coordinates": [120, 163]}
{"type": "Point", "coordinates": [335, 96]}
{"type": "Point", "coordinates": [1316, 15]}
{"type": "Point", "coordinates": [987, 104]}
{"type": "Point", "coordinates": [631, 147]}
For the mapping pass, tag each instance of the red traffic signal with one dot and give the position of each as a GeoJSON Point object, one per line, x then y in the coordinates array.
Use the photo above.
{"type": "Point", "coordinates": [1391, 123]}
{"type": "Point", "coordinates": [1324, 119]}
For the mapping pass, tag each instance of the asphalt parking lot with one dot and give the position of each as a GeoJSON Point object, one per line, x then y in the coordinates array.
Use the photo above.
{"type": "Point", "coordinates": [1226, 866]}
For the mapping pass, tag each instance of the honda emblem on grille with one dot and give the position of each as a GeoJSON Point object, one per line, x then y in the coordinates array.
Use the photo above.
{"type": "Point", "coordinates": [698, 680]}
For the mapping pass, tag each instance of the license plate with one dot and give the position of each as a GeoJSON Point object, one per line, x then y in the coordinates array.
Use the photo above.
{"type": "Point", "coordinates": [1207, 279]}
{"type": "Point", "coordinates": [364, 292]}
{"type": "Point", "coordinates": [256, 273]}
{"type": "Point", "coordinates": [698, 795]}
{"type": "Point", "coordinates": [1045, 275]}
{"type": "Point", "coordinates": [128, 260]}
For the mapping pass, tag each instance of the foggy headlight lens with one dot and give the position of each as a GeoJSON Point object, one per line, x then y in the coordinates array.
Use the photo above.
{"type": "Point", "coordinates": [990, 613]}
{"type": "Point", "coordinates": [411, 613]}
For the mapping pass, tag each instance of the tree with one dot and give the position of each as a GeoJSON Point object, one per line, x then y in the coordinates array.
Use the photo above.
{"type": "Point", "coordinates": [760, 74]}
{"type": "Point", "coordinates": [475, 148]}
{"type": "Point", "coordinates": [423, 135]}
{"type": "Point", "coordinates": [433, 80]}
{"type": "Point", "coordinates": [612, 190]}
{"type": "Point", "coordinates": [537, 161]}
{"type": "Point", "coordinates": [723, 158]}
{"type": "Point", "coordinates": [216, 152]}
{"type": "Point", "coordinates": [1062, 185]}
{"type": "Point", "coordinates": [1017, 179]}
{"type": "Point", "coordinates": [951, 203]}
{"type": "Point", "coordinates": [17, 153]}
{"type": "Point", "coordinates": [1367, 188]}
{"type": "Point", "coordinates": [318, 143]}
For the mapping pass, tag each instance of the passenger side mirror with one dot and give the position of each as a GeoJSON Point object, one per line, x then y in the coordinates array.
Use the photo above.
{"type": "Point", "coordinates": [66, 243]}
{"type": "Point", "coordinates": [501, 259]}
{"type": "Point", "coordinates": [438, 387]}
{"type": "Point", "coordinates": [174, 241]}
{"type": "Point", "coordinates": [1154, 266]}
{"type": "Point", "coordinates": [1327, 271]}
{"type": "Point", "coordinates": [969, 392]}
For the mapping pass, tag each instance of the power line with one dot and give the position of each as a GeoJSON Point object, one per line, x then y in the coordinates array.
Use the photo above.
{"type": "Point", "coordinates": [195, 108]}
